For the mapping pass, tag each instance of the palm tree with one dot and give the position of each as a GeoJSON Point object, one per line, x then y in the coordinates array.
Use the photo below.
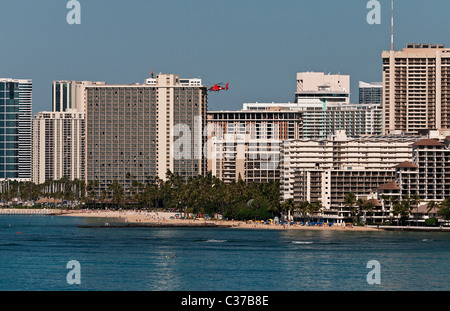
{"type": "Point", "coordinates": [350, 202]}
{"type": "Point", "coordinates": [366, 206]}
{"type": "Point", "coordinates": [444, 209]}
{"type": "Point", "coordinates": [288, 206]}
{"type": "Point", "coordinates": [91, 190]}
{"type": "Point", "coordinates": [116, 192]}
{"type": "Point", "coordinates": [402, 208]}
{"type": "Point", "coordinates": [137, 188]}
{"type": "Point", "coordinates": [415, 200]}
{"type": "Point", "coordinates": [103, 196]}
{"type": "Point", "coordinates": [69, 195]}
{"type": "Point", "coordinates": [407, 206]}
{"type": "Point", "coordinates": [397, 210]}
{"type": "Point", "coordinates": [431, 205]}
{"type": "Point", "coordinates": [305, 207]}
{"type": "Point", "coordinates": [316, 207]}
{"type": "Point", "coordinates": [393, 202]}
{"type": "Point", "coordinates": [356, 211]}
{"type": "Point", "coordinates": [384, 199]}
{"type": "Point", "coordinates": [129, 178]}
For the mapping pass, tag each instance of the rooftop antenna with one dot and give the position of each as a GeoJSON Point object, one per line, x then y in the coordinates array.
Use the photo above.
{"type": "Point", "coordinates": [152, 73]}
{"type": "Point", "coordinates": [392, 25]}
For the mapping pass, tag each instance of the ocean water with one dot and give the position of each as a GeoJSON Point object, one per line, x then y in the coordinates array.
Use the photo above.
{"type": "Point", "coordinates": [35, 250]}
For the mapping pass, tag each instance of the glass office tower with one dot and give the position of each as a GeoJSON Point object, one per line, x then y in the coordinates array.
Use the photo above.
{"type": "Point", "coordinates": [370, 93]}
{"type": "Point", "coordinates": [15, 129]}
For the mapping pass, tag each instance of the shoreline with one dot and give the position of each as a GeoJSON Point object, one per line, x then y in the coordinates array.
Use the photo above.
{"type": "Point", "coordinates": [136, 218]}
{"type": "Point", "coordinates": [162, 219]}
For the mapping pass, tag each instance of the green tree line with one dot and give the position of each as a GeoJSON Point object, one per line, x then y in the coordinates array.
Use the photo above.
{"type": "Point", "coordinates": [199, 195]}
{"type": "Point", "coordinates": [63, 189]}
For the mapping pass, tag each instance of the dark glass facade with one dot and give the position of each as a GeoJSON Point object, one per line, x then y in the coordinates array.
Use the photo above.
{"type": "Point", "coordinates": [62, 96]}
{"type": "Point", "coordinates": [15, 129]}
{"type": "Point", "coordinates": [370, 95]}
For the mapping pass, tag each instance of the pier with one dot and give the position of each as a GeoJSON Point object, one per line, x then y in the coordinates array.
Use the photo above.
{"type": "Point", "coordinates": [412, 228]}
{"type": "Point", "coordinates": [17, 211]}
{"type": "Point", "coordinates": [156, 225]}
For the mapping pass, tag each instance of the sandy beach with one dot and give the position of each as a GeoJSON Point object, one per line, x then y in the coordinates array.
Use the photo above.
{"type": "Point", "coordinates": [144, 217]}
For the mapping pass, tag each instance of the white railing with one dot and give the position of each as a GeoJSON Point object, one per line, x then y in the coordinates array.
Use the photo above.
{"type": "Point", "coordinates": [443, 228]}
{"type": "Point", "coordinates": [16, 211]}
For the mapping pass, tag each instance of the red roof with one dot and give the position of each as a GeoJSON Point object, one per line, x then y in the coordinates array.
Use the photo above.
{"type": "Point", "coordinates": [423, 209]}
{"type": "Point", "coordinates": [375, 202]}
{"type": "Point", "coordinates": [406, 164]}
{"type": "Point", "coordinates": [428, 142]}
{"type": "Point", "coordinates": [389, 186]}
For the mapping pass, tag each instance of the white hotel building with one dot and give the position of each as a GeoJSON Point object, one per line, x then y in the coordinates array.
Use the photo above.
{"type": "Point", "coordinates": [58, 145]}
{"type": "Point", "coordinates": [59, 135]}
{"type": "Point", "coordinates": [326, 170]}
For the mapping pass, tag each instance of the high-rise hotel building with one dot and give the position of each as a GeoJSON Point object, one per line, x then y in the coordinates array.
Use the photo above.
{"type": "Point", "coordinates": [58, 145]}
{"type": "Point", "coordinates": [428, 174]}
{"type": "Point", "coordinates": [59, 135]}
{"type": "Point", "coordinates": [15, 129]}
{"type": "Point", "coordinates": [246, 143]}
{"type": "Point", "coordinates": [145, 130]}
{"type": "Point", "coordinates": [416, 89]}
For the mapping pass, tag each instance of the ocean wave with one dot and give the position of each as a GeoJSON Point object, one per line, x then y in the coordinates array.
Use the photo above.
{"type": "Point", "coordinates": [302, 242]}
{"type": "Point", "coordinates": [215, 241]}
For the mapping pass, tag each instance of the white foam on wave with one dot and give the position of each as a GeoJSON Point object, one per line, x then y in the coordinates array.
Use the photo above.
{"type": "Point", "coordinates": [216, 241]}
{"type": "Point", "coordinates": [302, 242]}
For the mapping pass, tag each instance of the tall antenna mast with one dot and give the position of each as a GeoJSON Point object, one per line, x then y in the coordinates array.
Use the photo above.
{"type": "Point", "coordinates": [392, 25]}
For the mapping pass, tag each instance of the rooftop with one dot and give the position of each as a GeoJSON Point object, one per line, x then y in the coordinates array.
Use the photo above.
{"type": "Point", "coordinates": [424, 46]}
{"type": "Point", "coordinates": [406, 164]}
{"type": "Point", "coordinates": [375, 202]}
{"type": "Point", "coordinates": [428, 142]}
{"type": "Point", "coordinates": [389, 186]}
{"type": "Point", "coordinates": [423, 209]}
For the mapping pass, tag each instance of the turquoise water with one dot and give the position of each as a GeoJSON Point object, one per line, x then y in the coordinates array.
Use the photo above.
{"type": "Point", "coordinates": [211, 259]}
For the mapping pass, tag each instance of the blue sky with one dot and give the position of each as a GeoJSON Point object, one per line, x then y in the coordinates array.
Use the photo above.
{"type": "Point", "coordinates": [255, 45]}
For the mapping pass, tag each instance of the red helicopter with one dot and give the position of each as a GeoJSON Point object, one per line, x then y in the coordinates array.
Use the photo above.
{"type": "Point", "coordinates": [218, 87]}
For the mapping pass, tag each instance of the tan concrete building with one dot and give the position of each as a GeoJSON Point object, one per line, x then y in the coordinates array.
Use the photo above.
{"type": "Point", "coordinates": [310, 82]}
{"type": "Point", "coordinates": [319, 84]}
{"type": "Point", "coordinates": [246, 143]}
{"type": "Point", "coordinates": [145, 130]}
{"type": "Point", "coordinates": [58, 146]}
{"type": "Point", "coordinates": [59, 136]}
{"type": "Point", "coordinates": [428, 175]}
{"type": "Point", "coordinates": [416, 89]}
{"type": "Point", "coordinates": [237, 156]}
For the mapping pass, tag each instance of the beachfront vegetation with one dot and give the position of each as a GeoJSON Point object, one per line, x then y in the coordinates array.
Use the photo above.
{"type": "Point", "coordinates": [198, 195]}
{"type": "Point", "coordinates": [201, 195]}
